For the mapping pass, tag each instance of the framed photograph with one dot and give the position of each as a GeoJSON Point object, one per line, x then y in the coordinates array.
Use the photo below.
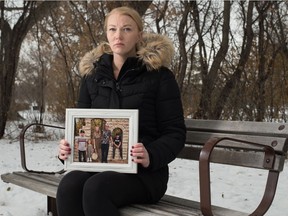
{"type": "Point", "coordinates": [101, 139]}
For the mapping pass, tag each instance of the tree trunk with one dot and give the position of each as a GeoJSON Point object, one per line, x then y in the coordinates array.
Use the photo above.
{"type": "Point", "coordinates": [205, 107]}
{"type": "Point", "coordinates": [11, 41]}
{"type": "Point", "coordinates": [262, 76]}
{"type": "Point", "coordinates": [182, 37]}
{"type": "Point", "coordinates": [244, 56]}
{"type": "Point", "coordinates": [204, 103]}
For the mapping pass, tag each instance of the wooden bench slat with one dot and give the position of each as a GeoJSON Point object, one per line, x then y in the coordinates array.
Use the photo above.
{"type": "Point", "coordinates": [168, 209]}
{"type": "Point", "coordinates": [53, 179]}
{"type": "Point", "coordinates": [168, 206]}
{"type": "Point", "coordinates": [239, 158]}
{"type": "Point", "coordinates": [238, 127]}
{"type": "Point", "coordinates": [198, 138]}
{"type": "Point", "coordinates": [47, 184]}
{"type": "Point", "coordinates": [161, 208]}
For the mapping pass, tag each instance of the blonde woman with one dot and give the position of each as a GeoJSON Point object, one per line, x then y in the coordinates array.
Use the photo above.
{"type": "Point", "coordinates": [129, 72]}
{"type": "Point", "coordinates": [97, 144]}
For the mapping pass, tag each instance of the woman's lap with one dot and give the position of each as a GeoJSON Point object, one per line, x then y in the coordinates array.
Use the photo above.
{"type": "Point", "coordinates": [99, 193]}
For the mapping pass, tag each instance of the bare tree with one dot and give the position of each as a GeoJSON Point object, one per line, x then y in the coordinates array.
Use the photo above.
{"type": "Point", "coordinates": [209, 76]}
{"type": "Point", "coordinates": [244, 56]}
{"type": "Point", "coordinates": [11, 40]}
{"type": "Point", "coordinates": [140, 6]}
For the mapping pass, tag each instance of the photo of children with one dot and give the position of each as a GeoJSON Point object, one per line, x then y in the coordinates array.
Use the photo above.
{"type": "Point", "coordinates": [94, 137]}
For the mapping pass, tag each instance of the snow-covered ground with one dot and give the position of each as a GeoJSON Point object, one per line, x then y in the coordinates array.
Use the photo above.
{"type": "Point", "coordinates": [234, 187]}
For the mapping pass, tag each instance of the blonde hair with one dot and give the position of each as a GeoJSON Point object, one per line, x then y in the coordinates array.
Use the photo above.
{"type": "Point", "coordinates": [133, 14]}
{"type": "Point", "coordinates": [87, 63]}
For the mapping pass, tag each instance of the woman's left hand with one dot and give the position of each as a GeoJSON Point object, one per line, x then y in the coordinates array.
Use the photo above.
{"type": "Point", "coordinates": [140, 154]}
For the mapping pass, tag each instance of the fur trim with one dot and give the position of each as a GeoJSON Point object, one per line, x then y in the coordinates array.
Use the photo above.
{"type": "Point", "coordinates": [155, 51]}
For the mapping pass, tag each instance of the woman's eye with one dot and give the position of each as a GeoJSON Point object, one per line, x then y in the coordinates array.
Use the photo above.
{"type": "Point", "coordinates": [112, 29]}
{"type": "Point", "coordinates": [127, 29]}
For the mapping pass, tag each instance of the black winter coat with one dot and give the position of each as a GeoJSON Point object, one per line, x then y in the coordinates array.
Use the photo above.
{"type": "Point", "coordinates": [156, 95]}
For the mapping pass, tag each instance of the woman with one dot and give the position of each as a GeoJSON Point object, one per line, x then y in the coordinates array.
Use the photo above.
{"type": "Point", "coordinates": [97, 145]}
{"type": "Point", "coordinates": [130, 72]}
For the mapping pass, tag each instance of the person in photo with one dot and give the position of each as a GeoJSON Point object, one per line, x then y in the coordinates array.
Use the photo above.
{"type": "Point", "coordinates": [81, 142]}
{"type": "Point", "coordinates": [97, 143]}
{"type": "Point", "coordinates": [117, 145]}
{"type": "Point", "coordinates": [106, 139]}
{"type": "Point", "coordinates": [90, 150]}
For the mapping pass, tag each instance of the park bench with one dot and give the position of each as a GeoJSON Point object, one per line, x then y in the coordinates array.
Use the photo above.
{"type": "Point", "coordinates": [259, 145]}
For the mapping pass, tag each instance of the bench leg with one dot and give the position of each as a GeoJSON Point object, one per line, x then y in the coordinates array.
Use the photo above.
{"type": "Point", "coordinates": [51, 206]}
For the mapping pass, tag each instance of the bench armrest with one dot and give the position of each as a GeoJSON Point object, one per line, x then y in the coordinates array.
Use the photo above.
{"type": "Point", "coordinates": [204, 175]}
{"type": "Point", "coordinates": [22, 147]}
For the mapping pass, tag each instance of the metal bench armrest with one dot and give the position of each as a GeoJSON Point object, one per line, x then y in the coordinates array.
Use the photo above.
{"type": "Point", "coordinates": [204, 175]}
{"type": "Point", "coordinates": [22, 147]}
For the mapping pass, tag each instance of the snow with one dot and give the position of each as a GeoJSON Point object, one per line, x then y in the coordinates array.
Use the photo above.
{"type": "Point", "coordinates": [234, 187]}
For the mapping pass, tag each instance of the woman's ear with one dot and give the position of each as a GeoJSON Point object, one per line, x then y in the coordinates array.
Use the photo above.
{"type": "Point", "coordinates": [140, 36]}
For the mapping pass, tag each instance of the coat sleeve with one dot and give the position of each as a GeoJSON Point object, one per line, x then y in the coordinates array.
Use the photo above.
{"type": "Point", "coordinates": [84, 99]}
{"type": "Point", "coordinates": [170, 122]}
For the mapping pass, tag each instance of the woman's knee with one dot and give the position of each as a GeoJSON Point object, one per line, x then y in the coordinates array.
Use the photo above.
{"type": "Point", "coordinates": [103, 186]}
{"type": "Point", "coordinates": [98, 195]}
{"type": "Point", "coordinates": [73, 180]}
{"type": "Point", "coordinates": [99, 183]}
{"type": "Point", "coordinates": [69, 193]}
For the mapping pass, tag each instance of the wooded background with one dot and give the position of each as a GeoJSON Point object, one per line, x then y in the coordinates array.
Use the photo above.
{"type": "Point", "coordinates": [230, 60]}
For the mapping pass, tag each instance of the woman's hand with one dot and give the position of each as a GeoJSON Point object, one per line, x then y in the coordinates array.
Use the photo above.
{"type": "Point", "coordinates": [140, 154]}
{"type": "Point", "coordinates": [64, 150]}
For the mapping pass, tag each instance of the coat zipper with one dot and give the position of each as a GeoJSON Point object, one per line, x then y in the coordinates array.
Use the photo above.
{"type": "Point", "coordinates": [118, 82]}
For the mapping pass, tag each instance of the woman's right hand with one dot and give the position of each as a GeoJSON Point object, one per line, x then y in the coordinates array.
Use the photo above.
{"type": "Point", "coordinates": [64, 149]}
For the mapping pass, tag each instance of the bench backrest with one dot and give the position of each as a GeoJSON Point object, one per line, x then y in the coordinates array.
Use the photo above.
{"type": "Point", "coordinates": [270, 135]}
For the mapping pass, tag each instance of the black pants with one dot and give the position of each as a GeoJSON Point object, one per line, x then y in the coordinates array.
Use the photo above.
{"type": "Point", "coordinates": [82, 156]}
{"type": "Point", "coordinates": [98, 194]}
{"type": "Point", "coordinates": [105, 151]}
{"type": "Point", "coordinates": [120, 151]}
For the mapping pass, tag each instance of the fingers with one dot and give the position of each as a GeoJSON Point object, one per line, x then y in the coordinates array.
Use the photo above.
{"type": "Point", "coordinates": [64, 149]}
{"type": "Point", "coordinates": [140, 155]}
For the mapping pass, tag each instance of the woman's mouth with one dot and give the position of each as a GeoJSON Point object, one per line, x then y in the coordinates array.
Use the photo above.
{"type": "Point", "coordinates": [119, 44]}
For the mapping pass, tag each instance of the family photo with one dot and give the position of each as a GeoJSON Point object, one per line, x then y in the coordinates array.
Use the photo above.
{"type": "Point", "coordinates": [101, 140]}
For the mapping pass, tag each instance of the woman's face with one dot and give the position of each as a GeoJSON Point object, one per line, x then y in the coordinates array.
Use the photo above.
{"type": "Point", "coordinates": [122, 35]}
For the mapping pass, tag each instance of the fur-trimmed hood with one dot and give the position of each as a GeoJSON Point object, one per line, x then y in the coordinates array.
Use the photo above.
{"type": "Point", "coordinates": [155, 51]}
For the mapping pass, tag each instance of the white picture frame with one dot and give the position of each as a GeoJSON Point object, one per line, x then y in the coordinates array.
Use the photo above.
{"type": "Point", "coordinates": [123, 126]}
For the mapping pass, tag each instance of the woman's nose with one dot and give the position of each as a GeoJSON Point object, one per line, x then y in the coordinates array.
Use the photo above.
{"type": "Point", "coordinates": [118, 34]}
